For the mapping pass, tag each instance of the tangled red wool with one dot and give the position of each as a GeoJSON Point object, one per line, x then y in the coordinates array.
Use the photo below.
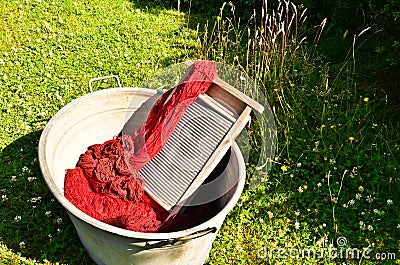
{"type": "Point", "coordinates": [106, 183]}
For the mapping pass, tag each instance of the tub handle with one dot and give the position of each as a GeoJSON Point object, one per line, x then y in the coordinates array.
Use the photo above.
{"type": "Point", "coordinates": [173, 241]}
{"type": "Point", "coordinates": [196, 234]}
{"type": "Point", "coordinates": [102, 78]}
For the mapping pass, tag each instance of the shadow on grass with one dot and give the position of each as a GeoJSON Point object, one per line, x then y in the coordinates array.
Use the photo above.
{"type": "Point", "coordinates": [191, 17]}
{"type": "Point", "coordinates": [32, 221]}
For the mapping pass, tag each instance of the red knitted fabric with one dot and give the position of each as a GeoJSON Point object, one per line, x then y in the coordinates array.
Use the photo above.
{"type": "Point", "coordinates": [166, 113]}
{"type": "Point", "coordinates": [102, 187]}
{"type": "Point", "coordinates": [106, 183]}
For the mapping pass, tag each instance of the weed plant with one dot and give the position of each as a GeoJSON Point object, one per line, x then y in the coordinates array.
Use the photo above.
{"type": "Point", "coordinates": [335, 174]}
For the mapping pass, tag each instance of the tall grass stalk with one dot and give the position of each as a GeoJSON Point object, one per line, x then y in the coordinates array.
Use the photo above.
{"type": "Point", "coordinates": [268, 48]}
{"type": "Point", "coordinates": [277, 39]}
{"type": "Point", "coordinates": [337, 157]}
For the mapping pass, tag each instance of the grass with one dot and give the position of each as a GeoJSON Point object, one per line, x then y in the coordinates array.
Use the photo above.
{"type": "Point", "coordinates": [335, 172]}
{"type": "Point", "coordinates": [48, 53]}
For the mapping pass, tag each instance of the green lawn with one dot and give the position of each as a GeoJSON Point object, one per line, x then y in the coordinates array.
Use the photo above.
{"type": "Point", "coordinates": [333, 187]}
{"type": "Point", "coordinates": [48, 53]}
{"type": "Point", "coordinates": [336, 169]}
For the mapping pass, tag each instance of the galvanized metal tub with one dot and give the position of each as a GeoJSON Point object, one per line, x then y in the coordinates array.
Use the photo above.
{"type": "Point", "coordinates": [99, 116]}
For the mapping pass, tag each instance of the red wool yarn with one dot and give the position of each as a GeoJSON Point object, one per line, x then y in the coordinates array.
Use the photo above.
{"type": "Point", "coordinates": [106, 183]}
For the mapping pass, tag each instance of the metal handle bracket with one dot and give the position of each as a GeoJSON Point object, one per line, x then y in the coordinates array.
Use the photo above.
{"type": "Point", "coordinates": [103, 78]}
{"type": "Point", "coordinates": [173, 241]}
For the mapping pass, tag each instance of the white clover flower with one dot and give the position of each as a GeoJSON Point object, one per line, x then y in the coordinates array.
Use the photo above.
{"type": "Point", "coordinates": [351, 202]}
{"type": "Point", "coordinates": [297, 225]}
{"type": "Point", "coordinates": [270, 214]}
{"type": "Point", "coordinates": [389, 202]}
{"type": "Point", "coordinates": [319, 184]}
{"type": "Point", "coordinates": [370, 228]}
{"type": "Point", "coordinates": [300, 189]}
{"type": "Point", "coordinates": [59, 220]}
{"type": "Point", "coordinates": [47, 213]}
{"type": "Point", "coordinates": [4, 197]}
{"type": "Point", "coordinates": [354, 172]}
{"type": "Point", "coordinates": [17, 218]}
{"type": "Point", "coordinates": [25, 169]}
{"type": "Point", "coordinates": [30, 179]}
{"type": "Point", "coordinates": [35, 199]}
{"type": "Point", "coordinates": [13, 178]}
{"type": "Point", "coordinates": [22, 245]}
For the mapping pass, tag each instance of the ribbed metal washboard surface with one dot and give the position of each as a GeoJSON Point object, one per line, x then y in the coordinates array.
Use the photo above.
{"type": "Point", "coordinates": [199, 132]}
